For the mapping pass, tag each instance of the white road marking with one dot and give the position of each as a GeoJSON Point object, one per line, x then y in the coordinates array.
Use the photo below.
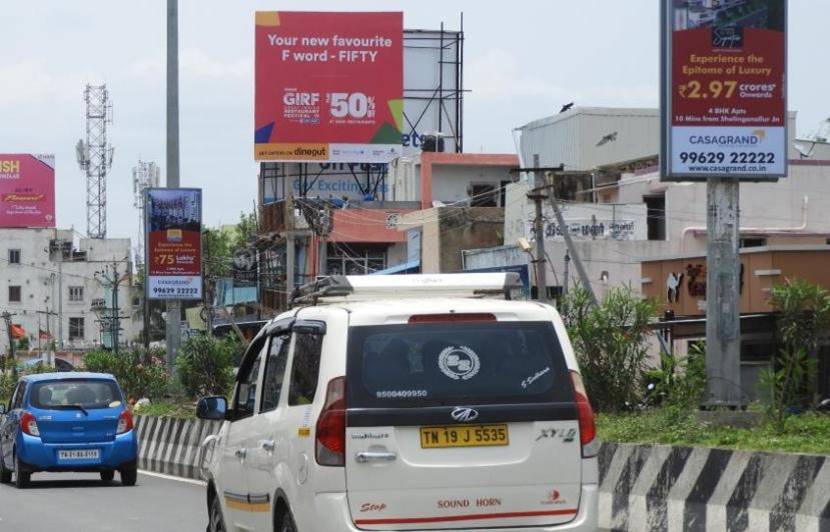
{"type": "Point", "coordinates": [171, 477]}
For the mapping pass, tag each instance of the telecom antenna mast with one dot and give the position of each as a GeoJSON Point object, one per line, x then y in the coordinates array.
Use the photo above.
{"type": "Point", "coordinates": [95, 158]}
{"type": "Point", "coordinates": [145, 175]}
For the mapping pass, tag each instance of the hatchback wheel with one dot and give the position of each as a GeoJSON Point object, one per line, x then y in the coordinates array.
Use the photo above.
{"type": "Point", "coordinates": [217, 523]}
{"type": "Point", "coordinates": [21, 478]}
{"type": "Point", "coordinates": [128, 476]}
{"type": "Point", "coordinates": [107, 476]}
{"type": "Point", "coordinates": [5, 474]}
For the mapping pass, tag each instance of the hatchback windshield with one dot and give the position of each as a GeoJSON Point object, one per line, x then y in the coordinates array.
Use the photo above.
{"type": "Point", "coordinates": [442, 363]}
{"type": "Point", "coordinates": [86, 393]}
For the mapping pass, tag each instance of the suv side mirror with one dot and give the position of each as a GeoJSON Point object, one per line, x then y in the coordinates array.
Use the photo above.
{"type": "Point", "coordinates": [214, 408]}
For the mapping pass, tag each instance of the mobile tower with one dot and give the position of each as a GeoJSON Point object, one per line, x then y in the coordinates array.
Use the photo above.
{"type": "Point", "coordinates": [95, 158]}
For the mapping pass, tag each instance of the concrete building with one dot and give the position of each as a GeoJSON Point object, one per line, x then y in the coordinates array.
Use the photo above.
{"type": "Point", "coordinates": [50, 284]}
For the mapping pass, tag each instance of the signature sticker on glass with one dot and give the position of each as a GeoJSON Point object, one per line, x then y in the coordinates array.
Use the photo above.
{"type": "Point", "coordinates": [459, 362]}
{"type": "Point", "coordinates": [535, 377]}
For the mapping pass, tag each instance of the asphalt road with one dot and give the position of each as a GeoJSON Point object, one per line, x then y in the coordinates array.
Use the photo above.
{"type": "Point", "coordinates": [79, 501]}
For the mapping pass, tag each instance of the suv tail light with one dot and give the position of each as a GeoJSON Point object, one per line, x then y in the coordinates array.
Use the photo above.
{"type": "Point", "coordinates": [587, 426]}
{"type": "Point", "coordinates": [28, 424]}
{"type": "Point", "coordinates": [125, 422]}
{"type": "Point", "coordinates": [330, 448]}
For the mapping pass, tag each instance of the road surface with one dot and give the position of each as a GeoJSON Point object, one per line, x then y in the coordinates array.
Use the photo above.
{"type": "Point", "coordinates": [79, 501]}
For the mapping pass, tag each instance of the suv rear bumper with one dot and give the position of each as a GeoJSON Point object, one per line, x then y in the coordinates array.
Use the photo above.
{"type": "Point", "coordinates": [331, 514]}
{"type": "Point", "coordinates": [39, 456]}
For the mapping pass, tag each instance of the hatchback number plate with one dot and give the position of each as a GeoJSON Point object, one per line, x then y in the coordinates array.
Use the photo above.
{"type": "Point", "coordinates": [80, 454]}
{"type": "Point", "coordinates": [464, 436]}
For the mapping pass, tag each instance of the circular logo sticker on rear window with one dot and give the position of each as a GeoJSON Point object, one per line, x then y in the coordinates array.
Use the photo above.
{"type": "Point", "coordinates": [459, 362]}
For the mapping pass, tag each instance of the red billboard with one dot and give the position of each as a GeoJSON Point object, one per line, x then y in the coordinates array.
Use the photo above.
{"type": "Point", "coordinates": [174, 243]}
{"type": "Point", "coordinates": [27, 190]}
{"type": "Point", "coordinates": [725, 89]}
{"type": "Point", "coordinates": [329, 86]}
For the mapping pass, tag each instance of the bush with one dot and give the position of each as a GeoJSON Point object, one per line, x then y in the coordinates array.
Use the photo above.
{"type": "Point", "coordinates": [803, 314]}
{"type": "Point", "coordinates": [610, 341]}
{"type": "Point", "coordinates": [140, 372]}
{"type": "Point", "coordinates": [679, 383]}
{"type": "Point", "coordinates": [205, 365]}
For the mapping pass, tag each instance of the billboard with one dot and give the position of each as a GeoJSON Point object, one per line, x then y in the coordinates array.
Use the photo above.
{"type": "Point", "coordinates": [173, 232]}
{"type": "Point", "coordinates": [27, 190]}
{"type": "Point", "coordinates": [329, 86]}
{"type": "Point", "coordinates": [724, 89]}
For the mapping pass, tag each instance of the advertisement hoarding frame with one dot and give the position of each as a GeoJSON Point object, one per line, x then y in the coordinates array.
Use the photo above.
{"type": "Point", "coordinates": [666, 93]}
{"type": "Point", "coordinates": [147, 248]}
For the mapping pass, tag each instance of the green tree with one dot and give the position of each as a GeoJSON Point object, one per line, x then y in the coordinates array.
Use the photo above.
{"type": "Point", "coordinates": [611, 344]}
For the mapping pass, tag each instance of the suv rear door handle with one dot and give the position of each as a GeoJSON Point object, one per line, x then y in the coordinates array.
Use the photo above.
{"type": "Point", "coordinates": [373, 456]}
{"type": "Point", "coordinates": [241, 453]}
{"type": "Point", "coordinates": [269, 445]}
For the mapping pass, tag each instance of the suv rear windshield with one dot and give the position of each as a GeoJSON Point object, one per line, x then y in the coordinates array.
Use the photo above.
{"type": "Point", "coordinates": [439, 364]}
{"type": "Point", "coordinates": [87, 393]}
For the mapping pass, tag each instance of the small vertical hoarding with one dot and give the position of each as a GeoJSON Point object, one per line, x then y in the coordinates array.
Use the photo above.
{"type": "Point", "coordinates": [724, 89]}
{"type": "Point", "coordinates": [27, 190]}
{"type": "Point", "coordinates": [329, 86]}
{"type": "Point", "coordinates": [173, 232]}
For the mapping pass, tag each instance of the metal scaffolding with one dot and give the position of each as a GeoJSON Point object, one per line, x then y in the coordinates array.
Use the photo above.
{"type": "Point", "coordinates": [145, 175]}
{"type": "Point", "coordinates": [95, 158]}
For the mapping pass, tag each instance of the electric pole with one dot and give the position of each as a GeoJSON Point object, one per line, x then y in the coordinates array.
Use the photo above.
{"type": "Point", "coordinates": [537, 195]}
{"type": "Point", "coordinates": [173, 329]}
{"type": "Point", "coordinates": [7, 317]}
{"type": "Point", "coordinates": [723, 318]}
{"type": "Point", "coordinates": [112, 322]}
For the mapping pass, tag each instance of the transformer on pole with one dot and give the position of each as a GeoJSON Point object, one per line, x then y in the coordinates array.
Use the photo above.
{"type": "Point", "coordinates": [95, 158]}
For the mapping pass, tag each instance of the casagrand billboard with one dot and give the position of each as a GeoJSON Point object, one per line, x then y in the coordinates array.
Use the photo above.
{"type": "Point", "coordinates": [329, 87]}
{"type": "Point", "coordinates": [27, 190]}
{"type": "Point", "coordinates": [724, 89]}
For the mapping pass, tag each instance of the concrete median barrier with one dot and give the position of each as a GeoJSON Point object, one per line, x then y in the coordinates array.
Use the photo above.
{"type": "Point", "coordinates": [171, 446]}
{"type": "Point", "coordinates": [664, 488]}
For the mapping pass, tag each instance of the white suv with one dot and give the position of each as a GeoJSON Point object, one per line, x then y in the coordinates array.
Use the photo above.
{"type": "Point", "coordinates": [405, 403]}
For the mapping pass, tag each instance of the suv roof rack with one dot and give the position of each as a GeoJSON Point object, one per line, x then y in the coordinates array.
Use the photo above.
{"type": "Point", "coordinates": [353, 288]}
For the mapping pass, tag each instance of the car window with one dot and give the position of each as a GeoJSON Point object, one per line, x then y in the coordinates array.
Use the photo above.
{"type": "Point", "coordinates": [17, 399]}
{"type": "Point", "coordinates": [247, 387]}
{"type": "Point", "coordinates": [274, 372]}
{"type": "Point", "coordinates": [434, 364]}
{"type": "Point", "coordinates": [89, 393]}
{"type": "Point", "coordinates": [305, 368]}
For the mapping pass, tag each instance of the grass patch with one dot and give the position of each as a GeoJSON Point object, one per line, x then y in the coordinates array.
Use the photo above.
{"type": "Point", "coordinates": [805, 433]}
{"type": "Point", "coordinates": [180, 410]}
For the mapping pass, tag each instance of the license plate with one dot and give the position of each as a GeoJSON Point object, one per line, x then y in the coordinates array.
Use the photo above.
{"type": "Point", "coordinates": [464, 436]}
{"type": "Point", "coordinates": [80, 454]}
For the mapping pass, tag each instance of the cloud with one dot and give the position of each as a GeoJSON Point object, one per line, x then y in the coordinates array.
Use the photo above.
{"type": "Point", "coordinates": [25, 82]}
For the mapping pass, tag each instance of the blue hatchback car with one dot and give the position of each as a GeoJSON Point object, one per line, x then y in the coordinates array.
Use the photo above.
{"type": "Point", "coordinates": [67, 422]}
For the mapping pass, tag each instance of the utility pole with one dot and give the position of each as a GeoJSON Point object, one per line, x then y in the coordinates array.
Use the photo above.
{"type": "Point", "coordinates": [48, 313]}
{"type": "Point", "coordinates": [113, 321]}
{"type": "Point", "coordinates": [723, 318]}
{"type": "Point", "coordinates": [566, 279]}
{"type": "Point", "coordinates": [7, 317]}
{"type": "Point", "coordinates": [289, 244]}
{"type": "Point", "coordinates": [173, 329]}
{"type": "Point", "coordinates": [537, 195]}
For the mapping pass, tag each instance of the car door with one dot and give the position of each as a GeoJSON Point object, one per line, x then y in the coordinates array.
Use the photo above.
{"type": "Point", "coordinates": [234, 453]}
{"type": "Point", "coordinates": [9, 424]}
{"type": "Point", "coordinates": [267, 429]}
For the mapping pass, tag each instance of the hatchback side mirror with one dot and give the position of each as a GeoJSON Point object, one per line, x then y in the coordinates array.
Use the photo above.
{"type": "Point", "coordinates": [215, 408]}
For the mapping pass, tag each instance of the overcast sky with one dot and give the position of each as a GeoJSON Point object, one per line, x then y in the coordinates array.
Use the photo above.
{"type": "Point", "coordinates": [524, 59]}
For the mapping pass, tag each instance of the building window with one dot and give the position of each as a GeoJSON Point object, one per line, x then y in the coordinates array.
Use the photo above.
{"type": "Point", "coordinates": [354, 260]}
{"type": "Point", "coordinates": [483, 195]}
{"type": "Point", "coordinates": [753, 242]}
{"type": "Point", "coordinates": [76, 294]}
{"type": "Point", "coordinates": [14, 256]}
{"type": "Point", "coordinates": [76, 328]}
{"type": "Point", "coordinates": [656, 217]}
{"type": "Point", "coordinates": [15, 294]}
